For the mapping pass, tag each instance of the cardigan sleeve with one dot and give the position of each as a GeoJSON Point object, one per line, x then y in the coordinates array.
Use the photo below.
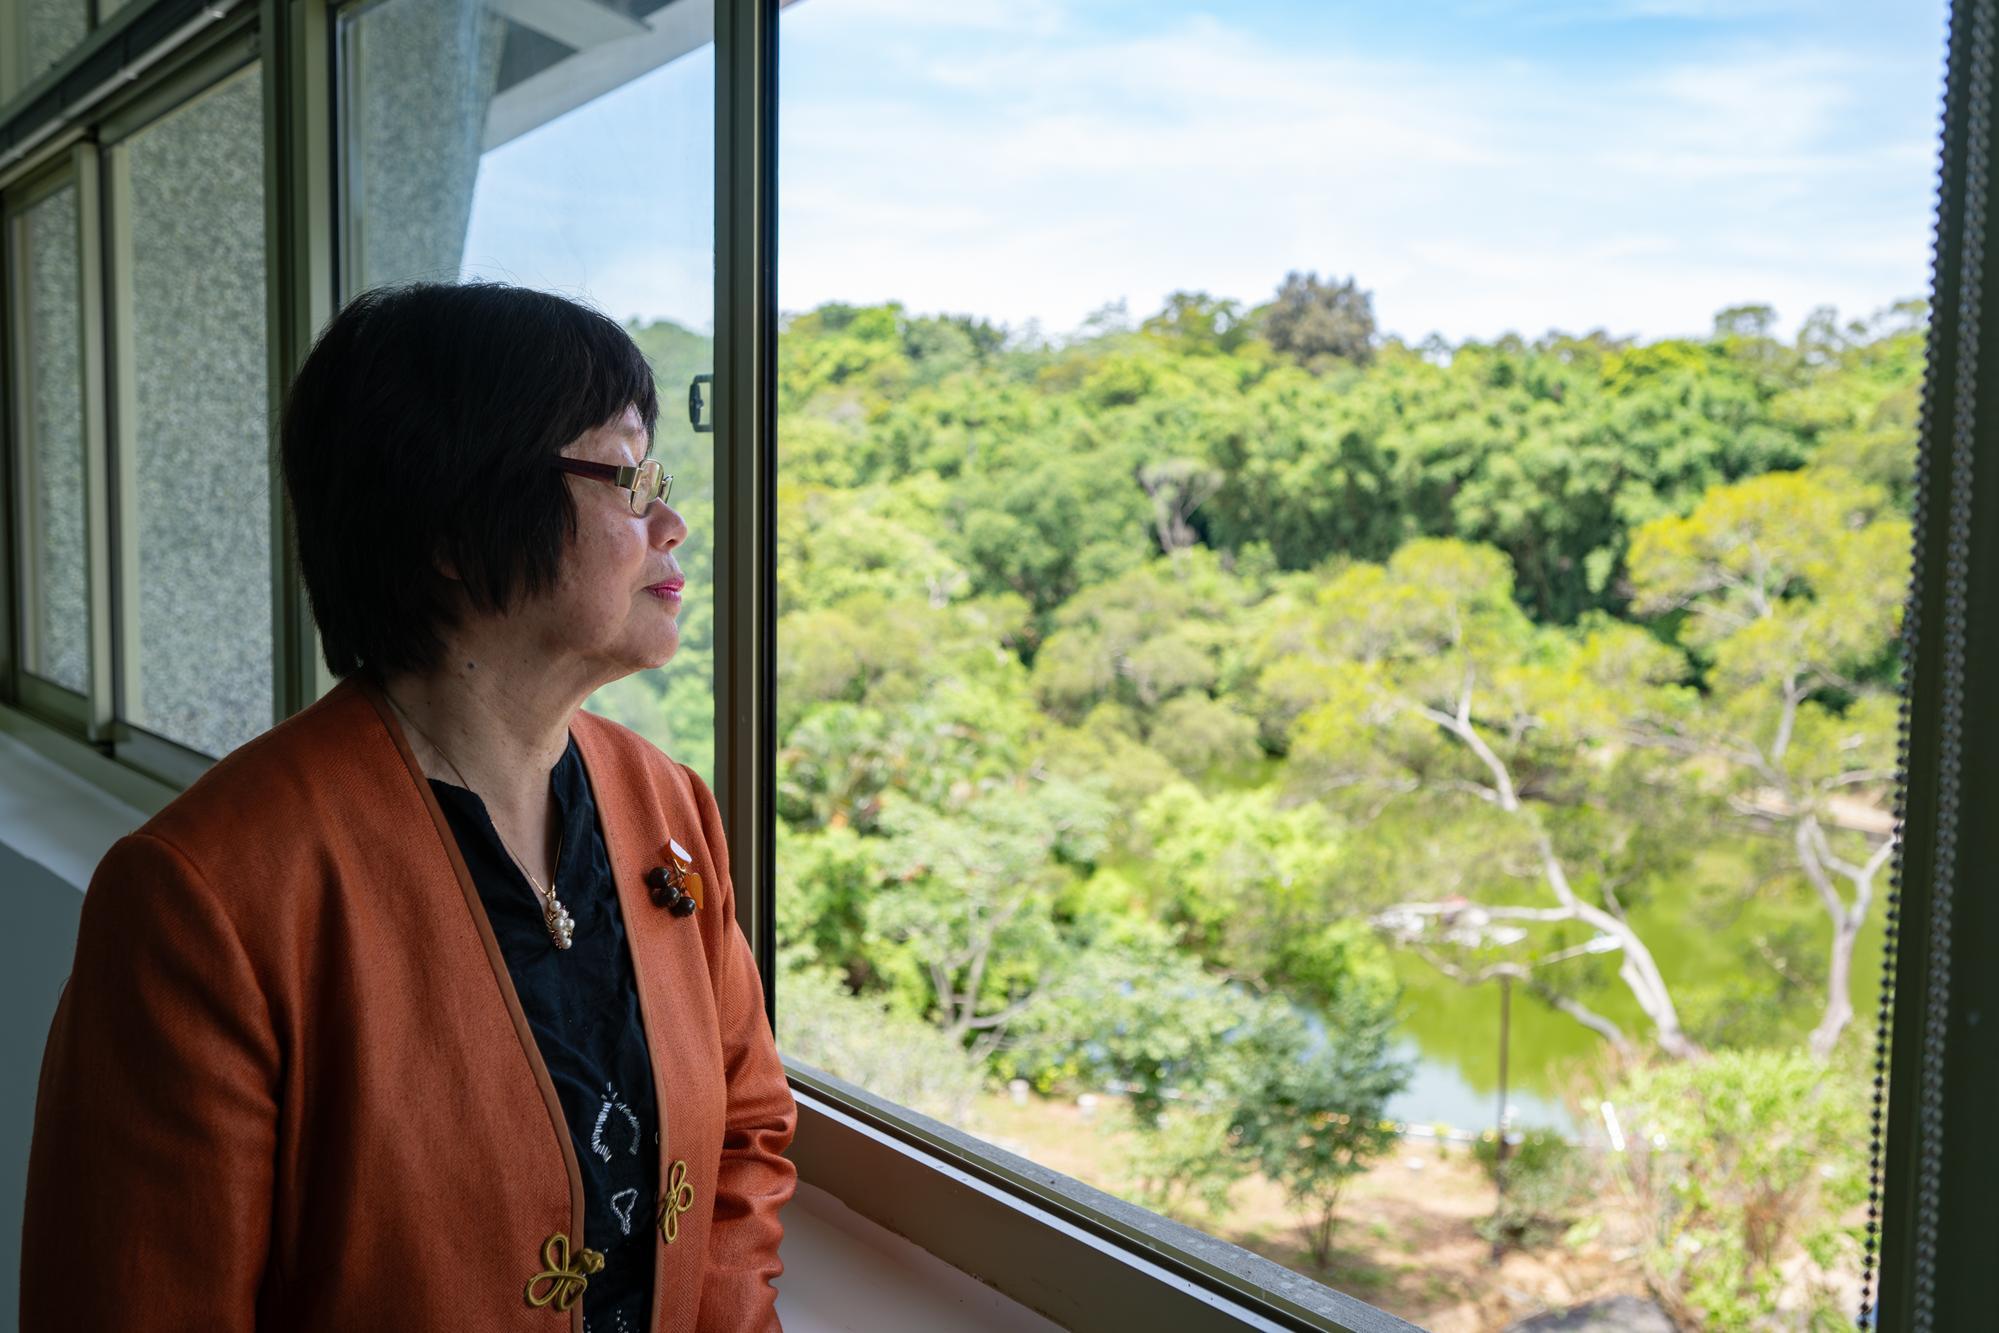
{"type": "Point", "coordinates": [755, 1179]}
{"type": "Point", "coordinates": [149, 1177]}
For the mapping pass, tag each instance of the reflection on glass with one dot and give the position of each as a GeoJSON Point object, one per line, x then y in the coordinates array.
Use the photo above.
{"type": "Point", "coordinates": [199, 515]}
{"type": "Point", "coordinates": [1253, 736]}
{"type": "Point", "coordinates": [570, 148]}
{"type": "Point", "coordinates": [55, 629]}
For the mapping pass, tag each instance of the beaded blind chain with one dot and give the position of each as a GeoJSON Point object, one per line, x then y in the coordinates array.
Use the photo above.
{"type": "Point", "coordinates": [1957, 542]}
{"type": "Point", "coordinates": [1957, 547]}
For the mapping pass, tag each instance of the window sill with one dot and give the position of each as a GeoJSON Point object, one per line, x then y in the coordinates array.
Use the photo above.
{"type": "Point", "coordinates": [1081, 1257]}
{"type": "Point", "coordinates": [62, 803]}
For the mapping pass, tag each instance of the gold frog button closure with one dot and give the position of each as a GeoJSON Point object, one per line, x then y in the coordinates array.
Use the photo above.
{"type": "Point", "coordinates": [560, 1283]}
{"type": "Point", "coordinates": [675, 1199]}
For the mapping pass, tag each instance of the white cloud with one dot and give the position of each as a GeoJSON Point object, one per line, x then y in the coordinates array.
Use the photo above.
{"type": "Point", "coordinates": [1037, 17]}
{"type": "Point", "coordinates": [1018, 177]}
{"type": "Point", "coordinates": [1601, 12]}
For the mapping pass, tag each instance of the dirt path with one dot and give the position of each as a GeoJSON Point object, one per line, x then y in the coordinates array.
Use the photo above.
{"type": "Point", "coordinates": [1408, 1239]}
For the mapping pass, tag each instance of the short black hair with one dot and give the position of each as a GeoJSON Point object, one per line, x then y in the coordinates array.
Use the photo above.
{"type": "Point", "coordinates": [420, 427]}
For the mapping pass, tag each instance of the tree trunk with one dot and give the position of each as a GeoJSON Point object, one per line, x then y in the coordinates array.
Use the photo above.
{"type": "Point", "coordinates": [1639, 970]}
{"type": "Point", "coordinates": [1839, 985]}
{"type": "Point", "coordinates": [1816, 859]}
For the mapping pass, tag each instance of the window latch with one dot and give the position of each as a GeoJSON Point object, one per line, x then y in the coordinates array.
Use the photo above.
{"type": "Point", "coordinates": [694, 405]}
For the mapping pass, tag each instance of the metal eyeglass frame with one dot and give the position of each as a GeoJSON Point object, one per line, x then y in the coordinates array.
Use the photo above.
{"type": "Point", "coordinates": [627, 477]}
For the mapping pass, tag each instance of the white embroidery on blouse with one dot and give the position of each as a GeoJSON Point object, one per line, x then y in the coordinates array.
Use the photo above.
{"type": "Point", "coordinates": [622, 1204]}
{"type": "Point", "coordinates": [611, 1102]}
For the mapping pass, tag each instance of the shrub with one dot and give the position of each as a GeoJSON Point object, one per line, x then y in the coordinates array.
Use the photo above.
{"type": "Point", "coordinates": [1312, 1113]}
{"type": "Point", "coordinates": [1738, 1161]}
{"type": "Point", "coordinates": [861, 1039]}
{"type": "Point", "coordinates": [1547, 1180]}
{"type": "Point", "coordinates": [1182, 1165]}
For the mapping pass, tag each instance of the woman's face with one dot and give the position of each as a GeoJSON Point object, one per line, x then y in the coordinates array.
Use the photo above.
{"type": "Point", "coordinates": [607, 613]}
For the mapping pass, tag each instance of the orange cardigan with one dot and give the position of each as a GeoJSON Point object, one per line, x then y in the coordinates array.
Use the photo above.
{"type": "Point", "coordinates": [289, 1085]}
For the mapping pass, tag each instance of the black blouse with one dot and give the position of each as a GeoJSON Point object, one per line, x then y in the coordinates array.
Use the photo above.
{"type": "Point", "coordinates": [583, 1004]}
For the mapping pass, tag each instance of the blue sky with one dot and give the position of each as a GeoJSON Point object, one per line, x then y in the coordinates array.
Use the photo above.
{"type": "Point", "coordinates": [1480, 165]}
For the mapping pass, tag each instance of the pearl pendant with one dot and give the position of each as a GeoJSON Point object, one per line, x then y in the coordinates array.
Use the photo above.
{"type": "Point", "coordinates": [561, 927]}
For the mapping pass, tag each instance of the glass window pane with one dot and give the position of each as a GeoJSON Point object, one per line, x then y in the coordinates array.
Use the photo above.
{"type": "Point", "coordinates": [55, 624]}
{"type": "Point", "coordinates": [1338, 573]}
{"type": "Point", "coordinates": [200, 512]}
{"type": "Point", "coordinates": [38, 34]}
{"type": "Point", "coordinates": [573, 152]}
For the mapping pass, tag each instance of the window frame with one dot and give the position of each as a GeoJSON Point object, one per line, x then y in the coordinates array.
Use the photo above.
{"type": "Point", "coordinates": [1041, 1238]}
{"type": "Point", "coordinates": [109, 66]}
{"type": "Point", "coordinates": [77, 171]}
{"type": "Point", "coordinates": [745, 434]}
{"type": "Point", "coordinates": [301, 281]}
{"type": "Point", "coordinates": [835, 1119]}
{"type": "Point", "coordinates": [1076, 1254]}
{"type": "Point", "coordinates": [79, 136]}
{"type": "Point", "coordinates": [1940, 1214]}
{"type": "Point", "coordinates": [228, 55]}
{"type": "Point", "coordinates": [14, 34]}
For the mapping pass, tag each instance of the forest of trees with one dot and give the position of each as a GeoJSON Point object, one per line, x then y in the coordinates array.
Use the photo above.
{"type": "Point", "coordinates": [1150, 701]}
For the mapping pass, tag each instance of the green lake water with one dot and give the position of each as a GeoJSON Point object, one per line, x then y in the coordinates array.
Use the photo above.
{"type": "Point", "coordinates": [1717, 978]}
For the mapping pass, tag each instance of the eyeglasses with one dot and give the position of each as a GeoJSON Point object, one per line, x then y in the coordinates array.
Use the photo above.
{"type": "Point", "coordinates": [646, 482]}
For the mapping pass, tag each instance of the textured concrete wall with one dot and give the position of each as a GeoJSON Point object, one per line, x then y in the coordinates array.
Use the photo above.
{"type": "Point", "coordinates": [203, 429]}
{"type": "Point", "coordinates": [423, 73]}
{"type": "Point", "coordinates": [52, 30]}
{"type": "Point", "coordinates": [54, 363]}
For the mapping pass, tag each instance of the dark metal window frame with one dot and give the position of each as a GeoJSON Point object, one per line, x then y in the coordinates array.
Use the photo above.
{"type": "Point", "coordinates": [1076, 1254]}
{"type": "Point", "coordinates": [1941, 1160]}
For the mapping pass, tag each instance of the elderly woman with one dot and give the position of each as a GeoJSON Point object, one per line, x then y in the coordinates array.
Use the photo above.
{"type": "Point", "coordinates": [427, 1009]}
